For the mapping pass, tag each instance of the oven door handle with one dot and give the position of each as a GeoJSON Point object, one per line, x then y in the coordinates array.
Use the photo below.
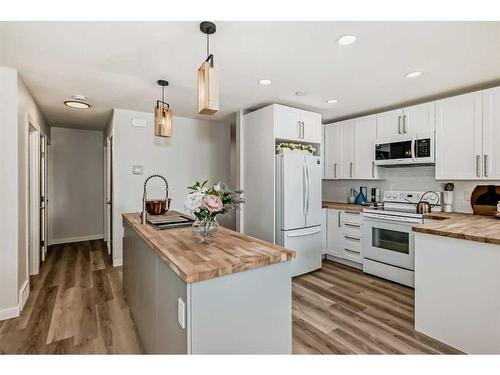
{"type": "Point", "coordinates": [393, 221]}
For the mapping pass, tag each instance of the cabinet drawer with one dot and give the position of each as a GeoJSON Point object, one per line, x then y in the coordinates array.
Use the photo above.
{"type": "Point", "coordinates": [353, 254]}
{"type": "Point", "coordinates": [354, 241]}
{"type": "Point", "coordinates": [352, 218]}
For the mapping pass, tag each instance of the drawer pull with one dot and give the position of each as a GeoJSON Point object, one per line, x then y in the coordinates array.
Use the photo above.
{"type": "Point", "coordinates": [352, 212]}
{"type": "Point", "coordinates": [352, 251]}
{"type": "Point", "coordinates": [352, 238]}
{"type": "Point", "coordinates": [352, 225]}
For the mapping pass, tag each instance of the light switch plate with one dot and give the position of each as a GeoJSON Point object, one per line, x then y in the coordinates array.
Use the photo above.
{"type": "Point", "coordinates": [137, 169]}
{"type": "Point", "coordinates": [181, 313]}
{"type": "Point", "coordinates": [139, 122]}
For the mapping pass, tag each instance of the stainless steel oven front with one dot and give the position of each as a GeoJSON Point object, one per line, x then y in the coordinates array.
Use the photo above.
{"type": "Point", "coordinates": [390, 241]}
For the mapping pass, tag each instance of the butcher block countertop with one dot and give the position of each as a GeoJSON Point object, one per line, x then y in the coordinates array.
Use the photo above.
{"type": "Point", "coordinates": [343, 206]}
{"type": "Point", "coordinates": [462, 226]}
{"type": "Point", "coordinates": [229, 252]}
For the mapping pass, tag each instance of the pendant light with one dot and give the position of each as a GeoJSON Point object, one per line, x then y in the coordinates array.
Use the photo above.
{"type": "Point", "coordinates": [208, 81]}
{"type": "Point", "coordinates": [163, 114]}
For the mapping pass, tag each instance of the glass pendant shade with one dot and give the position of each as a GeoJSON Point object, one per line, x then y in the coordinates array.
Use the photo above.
{"type": "Point", "coordinates": [208, 89]}
{"type": "Point", "coordinates": [163, 120]}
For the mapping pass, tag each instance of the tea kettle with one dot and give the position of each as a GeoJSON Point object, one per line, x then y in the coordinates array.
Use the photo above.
{"type": "Point", "coordinates": [424, 207]}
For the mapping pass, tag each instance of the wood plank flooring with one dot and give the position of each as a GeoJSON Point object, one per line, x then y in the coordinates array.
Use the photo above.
{"type": "Point", "coordinates": [77, 306]}
{"type": "Point", "coordinates": [341, 310]}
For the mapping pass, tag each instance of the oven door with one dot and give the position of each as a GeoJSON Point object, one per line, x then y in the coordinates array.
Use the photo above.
{"type": "Point", "coordinates": [390, 242]}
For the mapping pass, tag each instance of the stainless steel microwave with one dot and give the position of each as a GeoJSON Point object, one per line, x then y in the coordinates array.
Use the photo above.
{"type": "Point", "coordinates": [419, 150]}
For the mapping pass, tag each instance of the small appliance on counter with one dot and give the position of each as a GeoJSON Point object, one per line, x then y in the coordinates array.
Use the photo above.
{"type": "Point", "coordinates": [484, 200]}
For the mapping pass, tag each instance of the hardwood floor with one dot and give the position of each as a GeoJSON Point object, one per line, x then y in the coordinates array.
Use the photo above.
{"type": "Point", "coordinates": [341, 310]}
{"type": "Point", "coordinates": [77, 306]}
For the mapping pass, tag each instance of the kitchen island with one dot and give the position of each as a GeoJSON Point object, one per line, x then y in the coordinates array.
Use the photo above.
{"type": "Point", "coordinates": [457, 281]}
{"type": "Point", "coordinates": [231, 296]}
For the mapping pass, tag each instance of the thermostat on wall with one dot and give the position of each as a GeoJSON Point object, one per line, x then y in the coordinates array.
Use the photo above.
{"type": "Point", "coordinates": [139, 122]}
{"type": "Point", "coordinates": [137, 169]}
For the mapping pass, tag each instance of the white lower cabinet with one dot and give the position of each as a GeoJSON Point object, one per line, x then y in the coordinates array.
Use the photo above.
{"type": "Point", "coordinates": [345, 235]}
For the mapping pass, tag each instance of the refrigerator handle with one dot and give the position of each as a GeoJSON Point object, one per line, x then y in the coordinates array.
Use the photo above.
{"type": "Point", "coordinates": [304, 188]}
{"type": "Point", "coordinates": [308, 189]}
{"type": "Point", "coordinates": [303, 234]}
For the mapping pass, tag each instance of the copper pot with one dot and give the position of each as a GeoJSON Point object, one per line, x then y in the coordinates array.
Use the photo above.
{"type": "Point", "coordinates": [157, 206]}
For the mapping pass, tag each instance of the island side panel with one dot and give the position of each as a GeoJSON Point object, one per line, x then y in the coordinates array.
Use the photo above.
{"type": "Point", "coordinates": [457, 292]}
{"type": "Point", "coordinates": [244, 313]}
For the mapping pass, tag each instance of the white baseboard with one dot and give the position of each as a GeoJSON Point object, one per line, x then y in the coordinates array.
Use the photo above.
{"type": "Point", "coordinates": [117, 262]}
{"type": "Point", "coordinates": [76, 239]}
{"type": "Point", "coordinates": [23, 294]}
{"type": "Point", "coordinates": [346, 262]}
{"type": "Point", "coordinates": [12, 312]}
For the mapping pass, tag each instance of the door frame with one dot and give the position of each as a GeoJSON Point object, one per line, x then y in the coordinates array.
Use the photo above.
{"type": "Point", "coordinates": [33, 199]}
{"type": "Point", "coordinates": [108, 196]}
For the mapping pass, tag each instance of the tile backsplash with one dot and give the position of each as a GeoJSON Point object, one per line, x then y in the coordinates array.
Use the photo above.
{"type": "Point", "coordinates": [418, 178]}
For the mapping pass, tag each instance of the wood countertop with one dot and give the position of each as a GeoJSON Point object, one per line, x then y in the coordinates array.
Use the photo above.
{"type": "Point", "coordinates": [343, 206]}
{"type": "Point", "coordinates": [462, 226]}
{"type": "Point", "coordinates": [230, 252]}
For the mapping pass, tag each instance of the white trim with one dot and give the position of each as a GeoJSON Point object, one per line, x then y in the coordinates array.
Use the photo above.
{"type": "Point", "coordinates": [76, 239]}
{"type": "Point", "coordinates": [117, 262]}
{"type": "Point", "coordinates": [12, 312]}
{"type": "Point", "coordinates": [345, 262]}
{"type": "Point", "coordinates": [23, 294]}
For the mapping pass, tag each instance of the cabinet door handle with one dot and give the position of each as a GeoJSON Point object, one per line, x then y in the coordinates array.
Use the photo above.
{"type": "Point", "coordinates": [303, 129]}
{"type": "Point", "coordinates": [478, 166]}
{"type": "Point", "coordinates": [352, 251]}
{"type": "Point", "coordinates": [298, 129]}
{"type": "Point", "coordinates": [350, 168]}
{"type": "Point", "coordinates": [352, 225]}
{"type": "Point", "coordinates": [352, 238]}
{"type": "Point", "coordinates": [373, 169]}
{"type": "Point", "coordinates": [335, 170]}
{"type": "Point", "coordinates": [339, 219]}
{"type": "Point", "coordinates": [399, 124]}
{"type": "Point", "coordinates": [485, 165]}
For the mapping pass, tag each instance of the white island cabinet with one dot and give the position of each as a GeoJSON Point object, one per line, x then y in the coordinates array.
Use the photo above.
{"type": "Point", "coordinates": [232, 296]}
{"type": "Point", "coordinates": [457, 292]}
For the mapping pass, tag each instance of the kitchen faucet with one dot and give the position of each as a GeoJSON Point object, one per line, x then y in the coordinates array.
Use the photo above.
{"type": "Point", "coordinates": [144, 214]}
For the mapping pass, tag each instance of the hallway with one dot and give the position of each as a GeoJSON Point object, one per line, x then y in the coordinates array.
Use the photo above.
{"type": "Point", "coordinates": [76, 306]}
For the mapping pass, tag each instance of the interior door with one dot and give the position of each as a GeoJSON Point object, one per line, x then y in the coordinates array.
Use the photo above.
{"type": "Point", "coordinates": [491, 133]}
{"type": "Point", "coordinates": [332, 151]}
{"type": "Point", "coordinates": [43, 197]}
{"type": "Point", "coordinates": [311, 126]}
{"type": "Point", "coordinates": [293, 175]}
{"type": "Point", "coordinates": [389, 126]}
{"type": "Point", "coordinates": [459, 137]}
{"type": "Point", "coordinates": [287, 123]}
{"type": "Point", "coordinates": [365, 132]}
{"type": "Point", "coordinates": [346, 149]}
{"type": "Point", "coordinates": [314, 199]}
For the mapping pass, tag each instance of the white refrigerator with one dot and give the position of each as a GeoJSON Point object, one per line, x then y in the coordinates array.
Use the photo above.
{"type": "Point", "coordinates": [298, 209]}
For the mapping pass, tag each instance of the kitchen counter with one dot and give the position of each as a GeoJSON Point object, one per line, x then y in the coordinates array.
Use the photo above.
{"type": "Point", "coordinates": [188, 297]}
{"type": "Point", "coordinates": [462, 226]}
{"type": "Point", "coordinates": [230, 252]}
{"type": "Point", "coordinates": [343, 206]}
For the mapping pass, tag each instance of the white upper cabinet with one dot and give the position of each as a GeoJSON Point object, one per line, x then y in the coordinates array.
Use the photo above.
{"type": "Point", "coordinates": [389, 125]}
{"type": "Point", "coordinates": [346, 163]}
{"type": "Point", "coordinates": [459, 137]}
{"type": "Point", "coordinates": [491, 133]}
{"type": "Point", "coordinates": [297, 125]}
{"type": "Point", "coordinates": [365, 131]}
{"type": "Point", "coordinates": [331, 146]}
{"type": "Point", "coordinates": [419, 120]}
{"type": "Point", "coordinates": [311, 124]}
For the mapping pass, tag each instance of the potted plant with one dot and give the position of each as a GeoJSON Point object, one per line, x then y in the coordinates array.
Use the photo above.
{"type": "Point", "coordinates": [308, 148]}
{"type": "Point", "coordinates": [283, 148]}
{"type": "Point", "coordinates": [207, 203]}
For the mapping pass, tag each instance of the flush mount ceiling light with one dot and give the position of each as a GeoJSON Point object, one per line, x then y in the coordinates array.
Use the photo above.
{"type": "Point", "coordinates": [77, 102]}
{"type": "Point", "coordinates": [332, 101]}
{"type": "Point", "coordinates": [163, 114]}
{"type": "Point", "coordinates": [345, 40]}
{"type": "Point", "coordinates": [208, 81]}
{"type": "Point", "coordinates": [265, 81]}
{"type": "Point", "coordinates": [413, 74]}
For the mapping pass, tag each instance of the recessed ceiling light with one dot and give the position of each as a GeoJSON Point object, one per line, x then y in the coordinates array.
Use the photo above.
{"type": "Point", "coordinates": [413, 74]}
{"type": "Point", "coordinates": [77, 104]}
{"type": "Point", "coordinates": [332, 101]}
{"type": "Point", "coordinates": [265, 81]}
{"type": "Point", "coordinates": [345, 40]}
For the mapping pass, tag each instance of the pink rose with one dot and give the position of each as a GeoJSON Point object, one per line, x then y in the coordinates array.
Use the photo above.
{"type": "Point", "coordinates": [213, 203]}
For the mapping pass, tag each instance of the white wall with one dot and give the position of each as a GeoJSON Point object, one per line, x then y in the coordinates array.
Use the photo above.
{"type": "Point", "coordinates": [27, 111]}
{"type": "Point", "coordinates": [77, 186]}
{"type": "Point", "coordinates": [9, 193]}
{"type": "Point", "coordinates": [404, 178]}
{"type": "Point", "coordinates": [197, 150]}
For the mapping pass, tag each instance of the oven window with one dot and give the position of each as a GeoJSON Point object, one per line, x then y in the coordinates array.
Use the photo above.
{"type": "Point", "coordinates": [391, 240]}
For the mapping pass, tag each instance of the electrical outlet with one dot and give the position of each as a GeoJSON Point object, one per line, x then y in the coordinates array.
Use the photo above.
{"type": "Point", "coordinates": [467, 196]}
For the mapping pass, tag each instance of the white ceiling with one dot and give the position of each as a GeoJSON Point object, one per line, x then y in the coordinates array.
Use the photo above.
{"type": "Point", "coordinates": [117, 64]}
